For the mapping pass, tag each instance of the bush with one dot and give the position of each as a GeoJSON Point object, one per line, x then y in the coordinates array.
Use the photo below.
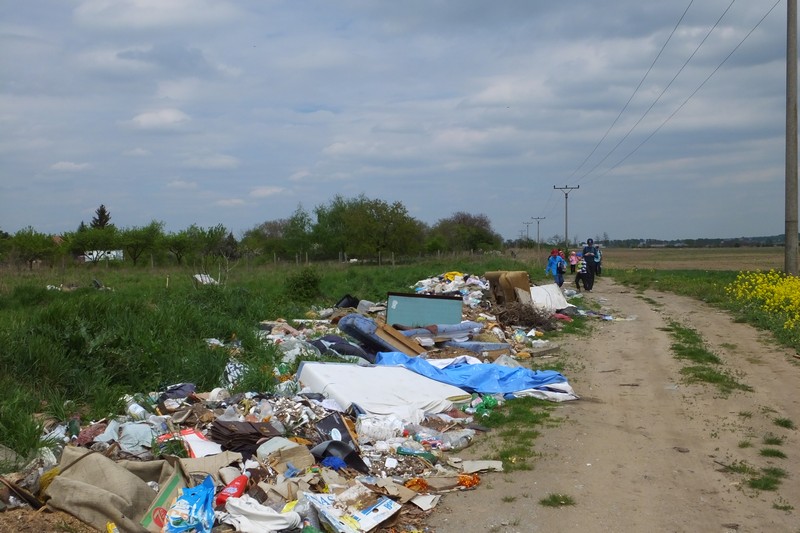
{"type": "Point", "coordinates": [304, 285]}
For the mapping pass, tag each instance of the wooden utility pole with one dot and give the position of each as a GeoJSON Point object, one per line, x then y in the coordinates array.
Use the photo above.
{"type": "Point", "coordinates": [790, 259]}
{"type": "Point", "coordinates": [538, 240]}
{"type": "Point", "coordinates": [566, 190]}
{"type": "Point", "coordinates": [527, 233]}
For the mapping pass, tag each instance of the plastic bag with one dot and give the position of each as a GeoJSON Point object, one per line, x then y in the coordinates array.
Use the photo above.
{"type": "Point", "coordinates": [193, 510]}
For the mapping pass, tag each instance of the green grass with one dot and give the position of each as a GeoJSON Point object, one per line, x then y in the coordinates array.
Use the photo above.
{"type": "Point", "coordinates": [78, 352]}
{"type": "Point", "coordinates": [769, 480]}
{"type": "Point", "coordinates": [515, 422]}
{"type": "Point", "coordinates": [709, 287]}
{"type": "Point", "coordinates": [740, 467]}
{"type": "Point", "coordinates": [557, 500]}
{"type": "Point", "coordinates": [772, 452]}
{"type": "Point", "coordinates": [784, 423]}
{"type": "Point", "coordinates": [689, 346]}
{"type": "Point", "coordinates": [724, 382]}
{"type": "Point", "coordinates": [772, 440]}
{"type": "Point", "coordinates": [782, 505]}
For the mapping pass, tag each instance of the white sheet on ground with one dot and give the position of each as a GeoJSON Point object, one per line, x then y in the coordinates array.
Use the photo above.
{"type": "Point", "coordinates": [379, 390]}
{"type": "Point", "coordinates": [549, 297]}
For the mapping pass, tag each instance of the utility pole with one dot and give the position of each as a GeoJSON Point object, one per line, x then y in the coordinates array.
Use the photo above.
{"type": "Point", "coordinates": [527, 233]}
{"type": "Point", "coordinates": [790, 248]}
{"type": "Point", "coordinates": [538, 240]}
{"type": "Point", "coordinates": [566, 190]}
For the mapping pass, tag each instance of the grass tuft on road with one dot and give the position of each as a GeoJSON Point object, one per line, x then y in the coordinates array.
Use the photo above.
{"type": "Point", "coordinates": [557, 500]}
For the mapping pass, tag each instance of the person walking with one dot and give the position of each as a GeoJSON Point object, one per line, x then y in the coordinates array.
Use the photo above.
{"type": "Point", "coordinates": [598, 261]}
{"type": "Point", "coordinates": [582, 275]}
{"type": "Point", "coordinates": [556, 266]}
{"type": "Point", "coordinates": [589, 253]}
{"type": "Point", "coordinates": [573, 260]}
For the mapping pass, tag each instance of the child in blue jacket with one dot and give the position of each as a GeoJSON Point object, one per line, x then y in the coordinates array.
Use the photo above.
{"type": "Point", "coordinates": [556, 265]}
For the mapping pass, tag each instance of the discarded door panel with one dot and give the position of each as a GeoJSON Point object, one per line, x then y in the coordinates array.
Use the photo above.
{"type": "Point", "coordinates": [421, 309]}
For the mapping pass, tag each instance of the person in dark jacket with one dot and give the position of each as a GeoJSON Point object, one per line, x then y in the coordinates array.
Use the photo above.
{"type": "Point", "coordinates": [589, 253]}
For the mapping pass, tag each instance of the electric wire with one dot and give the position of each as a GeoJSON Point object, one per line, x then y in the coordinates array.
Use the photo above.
{"type": "Point", "coordinates": [675, 112]}
{"type": "Point", "coordinates": [658, 98]}
{"type": "Point", "coordinates": [635, 91]}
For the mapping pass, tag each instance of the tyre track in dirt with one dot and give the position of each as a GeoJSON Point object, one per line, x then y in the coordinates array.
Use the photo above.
{"type": "Point", "coordinates": [642, 450]}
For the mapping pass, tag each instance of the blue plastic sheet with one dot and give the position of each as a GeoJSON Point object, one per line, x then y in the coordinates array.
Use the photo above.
{"type": "Point", "coordinates": [484, 378]}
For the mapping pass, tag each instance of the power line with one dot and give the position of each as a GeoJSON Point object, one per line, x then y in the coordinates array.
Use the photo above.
{"type": "Point", "coordinates": [697, 48]}
{"type": "Point", "coordinates": [693, 92]}
{"type": "Point", "coordinates": [636, 90]}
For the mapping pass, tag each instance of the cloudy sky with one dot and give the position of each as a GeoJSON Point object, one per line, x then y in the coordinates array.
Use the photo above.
{"type": "Point", "coordinates": [238, 112]}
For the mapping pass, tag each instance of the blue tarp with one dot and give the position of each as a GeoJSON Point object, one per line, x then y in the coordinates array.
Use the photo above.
{"type": "Point", "coordinates": [484, 378]}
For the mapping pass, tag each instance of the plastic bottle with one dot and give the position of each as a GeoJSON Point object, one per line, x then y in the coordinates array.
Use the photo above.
{"type": "Point", "coordinates": [134, 410]}
{"type": "Point", "coordinates": [263, 411]}
{"type": "Point", "coordinates": [428, 456]}
{"type": "Point", "coordinates": [457, 440]}
{"type": "Point", "coordinates": [234, 489]}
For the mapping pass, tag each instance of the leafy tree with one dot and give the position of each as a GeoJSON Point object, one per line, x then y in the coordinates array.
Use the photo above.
{"type": "Point", "coordinates": [384, 228]}
{"type": "Point", "coordinates": [267, 237]}
{"type": "Point", "coordinates": [138, 240]}
{"type": "Point", "coordinates": [5, 243]}
{"type": "Point", "coordinates": [211, 240]}
{"type": "Point", "coordinates": [329, 230]}
{"type": "Point", "coordinates": [230, 248]}
{"type": "Point", "coordinates": [101, 219]}
{"type": "Point", "coordinates": [434, 244]}
{"type": "Point", "coordinates": [31, 246]}
{"type": "Point", "coordinates": [297, 231]}
{"type": "Point", "coordinates": [179, 244]}
{"type": "Point", "coordinates": [362, 226]}
{"type": "Point", "coordinates": [93, 239]}
{"type": "Point", "coordinates": [465, 231]}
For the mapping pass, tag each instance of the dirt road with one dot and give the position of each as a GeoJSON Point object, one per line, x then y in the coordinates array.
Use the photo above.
{"type": "Point", "coordinates": [642, 451]}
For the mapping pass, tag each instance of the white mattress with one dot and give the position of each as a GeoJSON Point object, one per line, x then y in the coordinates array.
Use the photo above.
{"type": "Point", "coordinates": [379, 390]}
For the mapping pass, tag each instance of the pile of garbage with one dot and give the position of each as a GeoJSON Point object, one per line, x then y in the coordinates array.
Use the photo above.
{"type": "Point", "coordinates": [353, 446]}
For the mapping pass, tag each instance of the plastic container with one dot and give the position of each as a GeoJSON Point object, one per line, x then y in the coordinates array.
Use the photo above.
{"type": "Point", "coordinates": [428, 456]}
{"type": "Point", "coordinates": [457, 439]}
{"type": "Point", "coordinates": [263, 411]}
{"type": "Point", "coordinates": [273, 445]}
{"type": "Point", "coordinates": [134, 410]}
{"type": "Point", "coordinates": [234, 489]}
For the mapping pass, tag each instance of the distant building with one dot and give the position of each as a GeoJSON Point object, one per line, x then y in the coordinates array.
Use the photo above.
{"type": "Point", "coordinates": [94, 256]}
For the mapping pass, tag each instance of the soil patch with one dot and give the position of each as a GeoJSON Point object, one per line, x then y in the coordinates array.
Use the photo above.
{"type": "Point", "coordinates": [642, 450]}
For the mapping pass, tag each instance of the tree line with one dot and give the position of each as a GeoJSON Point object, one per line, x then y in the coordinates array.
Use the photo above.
{"type": "Point", "coordinates": [343, 229]}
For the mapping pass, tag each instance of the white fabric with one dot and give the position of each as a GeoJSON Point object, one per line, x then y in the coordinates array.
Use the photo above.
{"type": "Point", "coordinates": [549, 297]}
{"type": "Point", "coordinates": [555, 392]}
{"type": "Point", "coordinates": [247, 515]}
{"type": "Point", "coordinates": [379, 390]}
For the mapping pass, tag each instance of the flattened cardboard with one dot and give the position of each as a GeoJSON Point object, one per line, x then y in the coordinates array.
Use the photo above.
{"type": "Point", "coordinates": [403, 344]}
{"type": "Point", "coordinates": [365, 509]}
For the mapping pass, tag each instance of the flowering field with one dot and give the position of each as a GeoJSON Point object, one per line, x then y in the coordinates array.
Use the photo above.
{"type": "Point", "coordinates": [771, 294]}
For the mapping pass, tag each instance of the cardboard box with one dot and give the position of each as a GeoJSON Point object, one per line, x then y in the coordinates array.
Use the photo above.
{"type": "Point", "coordinates": [156, 515]}
{"type": "Point", "coordinates": [365, 510]}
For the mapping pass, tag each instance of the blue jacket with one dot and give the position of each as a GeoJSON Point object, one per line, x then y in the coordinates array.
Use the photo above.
{"type": "Point", "coordinates": [552, 264]}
